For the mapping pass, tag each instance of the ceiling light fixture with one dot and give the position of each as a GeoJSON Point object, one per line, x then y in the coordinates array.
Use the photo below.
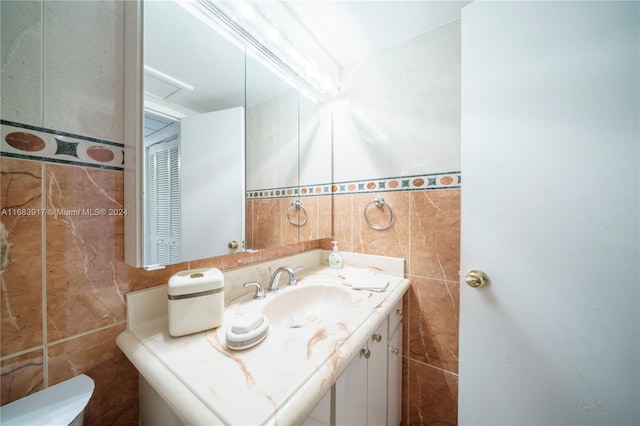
{"type": "Point", "coordinates": [245, 23]}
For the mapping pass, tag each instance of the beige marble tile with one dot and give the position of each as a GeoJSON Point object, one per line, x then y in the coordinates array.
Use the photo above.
{"type": "Point", "coordinates": [435, 234]}
{"type": "Point", "coordinates": [388, 242]}
{"type": "Point", "coordinates": [134, 279]}
{"type": "Point", "coordinates": [342, 221]}
{"type": "Point", "coordinates": [21, 375]}
{"type": "Point", "coordinates": [325, 209]}
{"type": "Point", "coordinates": [290, 233]}
{"type": "Point", "coordinates": [405, 390]}
{"type": "Point", "coordinates": [406, 321]}
{"type": "Point", "coordinates": [309, 230]}
{"type": "Point", "coordinates": [433, 322]}
{"type": "Point", "coordinates": [266, 224]}
{"type": "Point", "coordinates": [248, 226]}
{"type": "Point", "coordinates": [432, 396]}
{"type": "Point", "coordinates": [318, 223]}
{"type": "Point", "coordinates": [115, 398]}
{"type": "Point", "coordinates": [21, 255]}
{"type": "Point", "coordinates": [86, 279]}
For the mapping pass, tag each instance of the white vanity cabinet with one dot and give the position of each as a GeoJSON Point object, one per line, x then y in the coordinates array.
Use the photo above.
{"type": "Point", "coordinates": [310, 375]}
{"type": "Point", "coordinates": [394, 369]}
{"type": "Point", "coordinates": [369, 391]}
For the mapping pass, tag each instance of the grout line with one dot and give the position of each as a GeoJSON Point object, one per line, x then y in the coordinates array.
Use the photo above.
{"type": "Point", "coordinates": [45, 352]}
{"type": "Point", "coordinates": [55, 342]}
{"type": "Point", "coordinates": [432, 366]}
{"type": "Point", "coordinates": [85, 333]}
{"type": "Point", "coordinates": [433, 278]}
{"type": "Point", "coordinates": [42, 62]}
{"type": "Point", "coordinates": [22, 352]}
{"type": "Point", "coordinates": [43, 263]}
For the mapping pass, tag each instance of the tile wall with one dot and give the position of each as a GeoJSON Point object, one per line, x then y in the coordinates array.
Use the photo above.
{"type": "Point", "coordinates": [399, 115]}
{"type": "Point", "coordinates": [63, 276]}
{"type": "Point", "coordinates": [62, 299]}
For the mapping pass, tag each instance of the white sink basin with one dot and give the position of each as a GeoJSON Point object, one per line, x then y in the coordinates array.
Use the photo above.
{"type": "Point", "coordinates": [305, 305]}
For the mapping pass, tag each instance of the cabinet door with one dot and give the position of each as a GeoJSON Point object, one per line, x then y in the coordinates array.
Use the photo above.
{"type": "Point", "coordinates": [377, 377]}
{"type": "Point", "coordinates": [351, 393]}
{"type": "Point", "coordinates": [394, 379]}
{"type": "Point", "coordinates": [321, 415]}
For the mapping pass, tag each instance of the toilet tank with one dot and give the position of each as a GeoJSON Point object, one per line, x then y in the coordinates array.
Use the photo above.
{"type": "Point", "coordinates": [61, 404]}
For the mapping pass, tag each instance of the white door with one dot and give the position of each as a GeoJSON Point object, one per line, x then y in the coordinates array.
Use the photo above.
{"type": "Point", "coordinates": [212, 176]}
{"type": "Point", "coordinates": [550, 194]}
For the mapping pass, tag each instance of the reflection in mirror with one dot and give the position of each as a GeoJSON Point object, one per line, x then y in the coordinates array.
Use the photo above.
{"type": "Point", "coordinates": [162, 190]}
{"type": "Point", "coordinates": [194, 137]}
{"type": "Point", "coordinates": [315, 149]}
{"type": "Point", "coordinates": [193, 74]}
{"type": "Point", "coordinates": [272, 159]}
{"type": "Point", "coordinates": [288, 168]}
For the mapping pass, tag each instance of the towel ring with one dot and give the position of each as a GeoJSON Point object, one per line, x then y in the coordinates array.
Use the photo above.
{"type": "Point", "coordinates": [298, 205]}
{"type": "Point", "coordinates": [380, 203]}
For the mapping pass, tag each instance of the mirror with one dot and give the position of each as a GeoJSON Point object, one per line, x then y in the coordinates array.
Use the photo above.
{"type": "Point", "coordinates": [190, 87]}
{"type": "Point", "coordinates": [194, 165]}
{"type": "Point", "coordinates": [272, 160]}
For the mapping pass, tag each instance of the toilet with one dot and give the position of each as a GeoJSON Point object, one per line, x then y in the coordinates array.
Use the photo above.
{"type": "Point", "coordinates": [61, 404]}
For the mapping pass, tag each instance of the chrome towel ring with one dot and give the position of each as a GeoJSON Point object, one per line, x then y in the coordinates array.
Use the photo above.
{"type": "Point", "coordinates": [298, 206]}
{"type": "Point", "coordinates": [379, 203]}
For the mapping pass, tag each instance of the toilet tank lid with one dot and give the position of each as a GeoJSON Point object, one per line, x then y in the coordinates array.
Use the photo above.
{"type": "Point", "coordinates": [55, 405]}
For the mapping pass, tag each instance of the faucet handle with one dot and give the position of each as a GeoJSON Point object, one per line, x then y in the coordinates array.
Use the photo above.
{"type": "Point", "coordinates": [259, 290]}
{"type": "Point", "coordinates": [294, 277]}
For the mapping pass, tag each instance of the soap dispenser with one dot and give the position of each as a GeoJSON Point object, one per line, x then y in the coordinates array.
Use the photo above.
{"type": "Point", "coordinates": [335, 258]}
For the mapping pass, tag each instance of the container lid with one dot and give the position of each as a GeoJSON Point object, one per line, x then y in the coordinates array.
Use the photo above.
{"type": "Point", "coordinates": [195, 281]}
{"type": "Point", "coordinates": [55, 405]}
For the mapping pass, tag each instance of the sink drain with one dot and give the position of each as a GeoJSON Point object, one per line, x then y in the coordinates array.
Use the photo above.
{"type": "Point", "coordinates": [295, 326]}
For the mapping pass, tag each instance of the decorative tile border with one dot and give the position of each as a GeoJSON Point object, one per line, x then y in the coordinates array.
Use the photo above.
{"type": "Point", "coordinates": [448, 180]}
{"type": "Point", "coordinates": [40, 144]}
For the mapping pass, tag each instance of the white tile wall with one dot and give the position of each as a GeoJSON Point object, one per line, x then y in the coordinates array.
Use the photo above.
{"type": "Point", "coordinates": [272, 143]}
{"type": "Point", "coordinates": [82, 36]}
{"type": "Point", "coordinates": [21, 53]}
{"type": "Point", "coordinates": [435, 101]}
{"type": "Point", "coordinates": [315, 142]}
{"type": "Point", "coordinates": [399, 112]}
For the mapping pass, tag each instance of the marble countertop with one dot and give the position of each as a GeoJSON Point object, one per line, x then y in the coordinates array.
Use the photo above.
{"type": "Point", "coordinates": [280, 380]}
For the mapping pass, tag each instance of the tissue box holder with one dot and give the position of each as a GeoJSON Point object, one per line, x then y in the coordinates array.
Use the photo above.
{"type": "Point", "coordinates": [196, 301]}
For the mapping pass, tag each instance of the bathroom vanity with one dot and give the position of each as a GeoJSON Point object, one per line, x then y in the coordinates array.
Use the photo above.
{"type": "Point", "coordinates": [332, 354]}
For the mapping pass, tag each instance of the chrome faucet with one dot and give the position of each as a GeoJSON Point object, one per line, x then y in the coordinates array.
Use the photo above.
{"type": "Point", "coordinates": [273, 282]}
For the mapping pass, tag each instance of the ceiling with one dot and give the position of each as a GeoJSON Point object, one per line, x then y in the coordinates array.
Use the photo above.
{"type": "Point", "coordinates": [336, 34]}
{"type": "Point", "coordinates": [332, 34]}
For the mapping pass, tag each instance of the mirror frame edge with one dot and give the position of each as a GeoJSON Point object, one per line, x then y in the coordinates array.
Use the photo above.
{"type": "Point", "coordinates": [133, 106]}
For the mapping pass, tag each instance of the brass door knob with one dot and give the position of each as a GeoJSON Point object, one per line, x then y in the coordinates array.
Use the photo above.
{"type": "Point", "coordinates": [476, 278]}
{"type": "Point", "coordinates": [233, 245]}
